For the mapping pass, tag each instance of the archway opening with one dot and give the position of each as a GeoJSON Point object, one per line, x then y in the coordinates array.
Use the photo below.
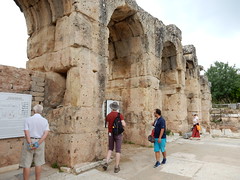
{"type": "Point", "coordinates": [171, 99]}
{"type": "Point", "coordinates": [169, 64]}
{"type": "Point", "coordinates": [125, 47]}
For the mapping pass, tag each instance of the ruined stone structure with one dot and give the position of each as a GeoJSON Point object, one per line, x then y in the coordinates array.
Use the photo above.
{"type": "Point", "coordinates": [23, 81]}
{"type": "Point", "coordinates": [94, 50]}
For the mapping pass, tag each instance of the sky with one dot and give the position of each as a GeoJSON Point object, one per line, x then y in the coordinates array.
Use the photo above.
{"type": "Point", "coordinates": [212, 26]}
{"type": "Point", "coordinates": [13, 35]}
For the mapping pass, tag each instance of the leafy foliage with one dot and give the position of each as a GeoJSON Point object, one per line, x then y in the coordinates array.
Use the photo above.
{"type": "Point", "coordinates": [225, 82]}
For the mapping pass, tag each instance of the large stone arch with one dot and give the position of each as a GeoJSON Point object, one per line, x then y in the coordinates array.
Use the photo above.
{"type": "Point", "coordinates": [126, 75]}
{"type": "Point", "coordinates": [102, 50]}
{"type": "Point", "coordinates": [172, 81]}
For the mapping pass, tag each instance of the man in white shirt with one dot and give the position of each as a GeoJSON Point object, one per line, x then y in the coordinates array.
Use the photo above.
{"type": "Point", "coordinates": [36, 129]}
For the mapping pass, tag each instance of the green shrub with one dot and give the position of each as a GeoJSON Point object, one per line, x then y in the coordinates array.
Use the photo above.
{"type": "Point", "coordinates": [128, 142]}
{"type": "Point", "coordinates": [55, 165]}
{"type": "Point", "coordinates": [168, 132]}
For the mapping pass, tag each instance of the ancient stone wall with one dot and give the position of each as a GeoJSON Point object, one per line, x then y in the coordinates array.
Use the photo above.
{"type": "Point", "coordinates": [16, 80]}
{"type": "Point", "coordinates": [197, 88]}
{"type": "Point", "coordinates": [94, 50]}
{"type": "Point", "coordinates": [225, 118]}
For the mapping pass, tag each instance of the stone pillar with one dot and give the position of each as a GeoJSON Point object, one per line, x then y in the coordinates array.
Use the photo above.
{"type": "Point", "coordinates": [205, 101]}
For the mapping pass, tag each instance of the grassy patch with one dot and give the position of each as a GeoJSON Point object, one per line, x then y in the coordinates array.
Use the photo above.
{"type": "Point", "coordinates": [128, 142]}
{"type": "Point", "coordinates": [169, 132]}
{"type": "Point", "coordinates": [55, 165]}
{"type": "Point", "coordinates": [150, 146]}
{"type": "Point", "coordinates": [216, 120]}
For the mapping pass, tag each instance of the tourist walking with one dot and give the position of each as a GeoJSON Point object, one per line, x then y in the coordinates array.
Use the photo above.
{"type": "Point", "coordinates": [114, 139]}
{"type": "Point", "coordinates": [195, 131]}
{"type": "Point", "coordinates": [36, 129]}
{"type": "Point", "coordinates": [160, 137]}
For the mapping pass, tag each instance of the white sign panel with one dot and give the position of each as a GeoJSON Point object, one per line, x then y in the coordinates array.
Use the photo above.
{"type": "Point", "coordinates": [108, 106]}
{"type": "Point", "coordinates": [107, 109]}
{"type": "Point", "coordinates": [14, 109]}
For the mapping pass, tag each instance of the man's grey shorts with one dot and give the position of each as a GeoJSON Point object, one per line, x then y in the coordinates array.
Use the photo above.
{"type": "Point", "coordinates": [115, 139]}
{"type": "Point", "coordinates": [29, 156]}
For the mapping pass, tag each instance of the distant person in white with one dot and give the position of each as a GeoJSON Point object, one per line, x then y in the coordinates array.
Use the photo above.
{"type": "Point", "coordinates": [195, 119]}
{"type": "Point", "coordinates": [36, 129]}
{"type": "Point", "coordinates": [195, 131]}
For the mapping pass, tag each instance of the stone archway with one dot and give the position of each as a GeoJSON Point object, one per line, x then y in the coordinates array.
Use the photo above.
{"type": "Point", "coordinates": [173, 98]}
{"type": "Point", "coordinates": [102, 50]}
{"type": "Point", "coordinates": [169, 64]}
{"type": "Point", "coordinates": [126, 44]}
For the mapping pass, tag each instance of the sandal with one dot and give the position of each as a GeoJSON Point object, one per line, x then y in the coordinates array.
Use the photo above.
{"type": "Point", "coordinates": [116, 170]}
{"type": "Point", "coordinates": [105, 166]}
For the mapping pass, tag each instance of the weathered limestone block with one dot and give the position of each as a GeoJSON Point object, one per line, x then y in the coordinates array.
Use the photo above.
{"type": "Point", "coordinates": [37, 94]}
{"type": "Point", "coordinates": [155, 100]}
{"type": "Point", "coordinates": [131, 45]}
{"type": "Point", "coordinates": [36, 88]}
{"type": "Point", "coordinates": [93, 9]}
{"type": "Point", "coordinates": [144, 82]}
{"type": "Point", "coordinates": [135, 101]}
{"type": "Point", "coordinates": [118, 83]}
{"type": "Point", "coordinates": [73, 87]}
{"type": "Point", "coordinates": [77, 31]}
{"type": "Point", "coordinates": [216, 132]}
{"type": "Point", "coordinates": [118, 10]}
{"type": "Point", "coordinates": [189, 49]}
{"type": "Point", "coordinates": [10, 151]}
{"type": "Point", "coordinates": [115, 94]}
{"type": "Point", "coordinates": [174, 31]}
{"type": "Point", "coordinates": [80, 91]}
{"type": "Point", "coordinates": [181, 78]}
{"type": "Point", "coordinates": [149, 82]}
{"type": "Point", "coordinates": [41, 42]}
{"type": "Point", "coordinates": [70, 120]}
{"type": "Point", "coordinates": [55, 86]}
{"type": "Point", "coordinates": [175, 103]}
{"type": "Point", "coordinates": [227, 132]}
{"type": "Point", "coordinates": [138, 69]}
{"type": "Point", "coordinates": [37, 80]}
{"type": "Point", "coordinates": [39, 99]}
{"type": "Point", "coordinates": [195, 105]}
{"type": "Point", "coordinates": [72, 149]}
{"type": "Point", "coordinates": [14, 79]}
{"type": "Point", "coordinates": [62, 61]}
{"type": "Point", "coordinates": [37, 64]}
{"type": "Point", "coordinates": [169, 77]}
{"type": "Point", "coordinates": [123, 71]}
{"type": "Point", "coordinates": [95, 142]}
{"type": "Point", "coordinates": [193, 85]}
{"type": "Point", "coordinates": [139, 131]}
{"type": "Point", "coordinates": [190, 57]}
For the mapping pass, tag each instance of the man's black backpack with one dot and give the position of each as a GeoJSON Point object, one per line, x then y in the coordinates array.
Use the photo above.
{"type": "Point", "coordinates": [117, 125]}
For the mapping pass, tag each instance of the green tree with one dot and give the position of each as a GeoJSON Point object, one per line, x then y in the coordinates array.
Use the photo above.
{"type": "Point", "coordinates": [225, 81]}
